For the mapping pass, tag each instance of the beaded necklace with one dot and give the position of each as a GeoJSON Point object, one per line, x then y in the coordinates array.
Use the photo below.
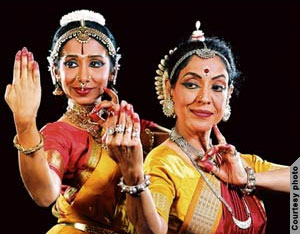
{"type": "Point", "coordinates": [185, 147]}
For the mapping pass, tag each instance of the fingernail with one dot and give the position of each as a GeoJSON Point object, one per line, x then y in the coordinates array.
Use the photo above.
{"type": "Point", "coordinates": [136, 118]}
{"type": "Point", "coordinates": [18, 55]}
{"type": "Point", "coordinates": [29, 56]}
{"type": "Point", "coordinates": [24, 50]}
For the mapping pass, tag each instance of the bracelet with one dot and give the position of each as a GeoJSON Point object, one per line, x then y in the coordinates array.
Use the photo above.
{"type": "Point", "coordinates": [30, 150]}
{"type": "Point", "coordinates": [134, 190]}
{"type": "Point", "coordinates": [251, 180]}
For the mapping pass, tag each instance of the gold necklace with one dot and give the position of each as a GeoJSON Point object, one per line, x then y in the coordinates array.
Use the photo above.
{"type": "Point", "coordinates": [182, 143]}
{"type": "Point", "coordinates": [79, 116]}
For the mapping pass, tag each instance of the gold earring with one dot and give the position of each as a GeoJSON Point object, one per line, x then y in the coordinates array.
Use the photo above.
{"type": "Point", "coordinates": [57, 91]}
{"type": "Point", "coordinates": [168, 107]}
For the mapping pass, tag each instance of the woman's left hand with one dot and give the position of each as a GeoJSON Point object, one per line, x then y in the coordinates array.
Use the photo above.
{"type": "Point", "coordinates": [228, 166]}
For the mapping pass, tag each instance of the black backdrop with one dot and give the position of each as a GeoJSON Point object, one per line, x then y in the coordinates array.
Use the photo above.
{"type": "Point", "coordinates": [264, 115]}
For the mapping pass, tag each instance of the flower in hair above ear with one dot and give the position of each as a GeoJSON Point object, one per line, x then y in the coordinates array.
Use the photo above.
{"type": "Point", "coordinates": [82, 15]}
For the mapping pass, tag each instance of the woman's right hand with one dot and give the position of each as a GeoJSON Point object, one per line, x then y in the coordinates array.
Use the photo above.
{"type": "Point", "coordinates": [23, 96]}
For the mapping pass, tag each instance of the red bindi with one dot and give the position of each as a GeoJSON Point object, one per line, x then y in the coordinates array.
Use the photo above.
{"type": "Point", "coordinates": [206, 70]}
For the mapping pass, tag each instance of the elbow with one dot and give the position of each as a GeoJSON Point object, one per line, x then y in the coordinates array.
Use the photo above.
{"type": "Point", "coordinates": [44, 202]}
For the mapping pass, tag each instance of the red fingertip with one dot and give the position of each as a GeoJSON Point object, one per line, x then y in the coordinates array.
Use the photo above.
{"type": "Point", "coordinates": [18, 55]}
{"type": "Point", "coordinates": [94, 117]}
{"type": "Point", "coordinates": [136, 118]}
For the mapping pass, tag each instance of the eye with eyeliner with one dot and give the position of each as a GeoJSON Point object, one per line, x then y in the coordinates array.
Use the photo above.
{"type": "Point", "coordinates": [218, 88]}
{"type": "Point", "coordinates": [190, 85]}
{"type": "Point", "coordinates": [96, 64]}
{"type": "Point", "coordinates": [71, 63]}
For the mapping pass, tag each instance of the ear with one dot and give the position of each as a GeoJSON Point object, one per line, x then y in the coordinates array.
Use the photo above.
{"type": "Point", "coordinates": [230, 91]}
{"type": "Point", "coordinates": [55, 74]}
{"type": "Point", "coordinates": [168, 88]}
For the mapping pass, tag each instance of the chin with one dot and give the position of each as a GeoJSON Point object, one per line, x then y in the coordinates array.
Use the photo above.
{"type": "Point", "coordinates": [84, 101]}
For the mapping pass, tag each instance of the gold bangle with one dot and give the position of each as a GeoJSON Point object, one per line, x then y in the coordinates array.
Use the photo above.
{"type": "Point", "coordinates": [30, 150]}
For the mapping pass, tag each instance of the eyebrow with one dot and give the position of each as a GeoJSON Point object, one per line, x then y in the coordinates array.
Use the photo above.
{"type": "Point", "coordinates": [198, 76]}
{"type": "Point", "coordinates": [90, 56]}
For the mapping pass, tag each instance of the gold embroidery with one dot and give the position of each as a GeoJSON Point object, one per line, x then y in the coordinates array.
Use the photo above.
{"type": "Point", "coordinates": [55, 159]}
{"type": "Point", "coordinates": [207, 209]}
{"type": "Point", "coordinates": [162, 203]}
{"type": "Point", "coordinates": [92, 162]}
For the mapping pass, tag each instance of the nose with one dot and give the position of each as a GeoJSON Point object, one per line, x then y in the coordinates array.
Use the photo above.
{"type": "Point", "coordinates": [83, 75]}
{"type": "Point", "coordinates": [203, 96]}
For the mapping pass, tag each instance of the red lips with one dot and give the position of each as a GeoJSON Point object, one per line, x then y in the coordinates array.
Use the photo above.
{"type": "Point", "coordinates": [83, 91]}
{"type": "Point", "coordinates": [202, 113]}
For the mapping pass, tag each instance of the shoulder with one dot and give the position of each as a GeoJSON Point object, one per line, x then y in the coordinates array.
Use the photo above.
{"type": "Point", "coordinates": [259, 164]}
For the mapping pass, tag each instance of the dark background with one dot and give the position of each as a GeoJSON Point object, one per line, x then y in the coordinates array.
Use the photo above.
{"type": "Point", "coordinates": [264, 121]}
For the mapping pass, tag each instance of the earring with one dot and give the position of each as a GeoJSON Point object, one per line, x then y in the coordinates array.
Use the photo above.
{"type": "Point", "coordinates": [57, 91]}
{"type": "Point", "coordinates": [227, 112]}
{"type": "Point", "coordinates": [168, 107]}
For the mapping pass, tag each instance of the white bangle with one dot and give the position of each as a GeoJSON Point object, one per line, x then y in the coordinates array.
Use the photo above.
{"type": "Point", "coordinates": [251, 181]}
{"type": "Point", "coordinates": [134, 190]}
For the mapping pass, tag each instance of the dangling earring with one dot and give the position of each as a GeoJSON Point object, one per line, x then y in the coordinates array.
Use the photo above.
{"type": "Point", "coordinates": [227, 112]}
{"type": "Point", "coordinates": [57, 91]}
{"type": "Point", "coordinates": [168, 107]}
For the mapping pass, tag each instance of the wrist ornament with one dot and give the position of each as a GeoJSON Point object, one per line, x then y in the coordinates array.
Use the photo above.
{"type": "Point", "coordinates": [251, 180]}
{"type": "Point", "coordinates": [134, 190]}
{"type": "Point", "coordinates": [30, 150]}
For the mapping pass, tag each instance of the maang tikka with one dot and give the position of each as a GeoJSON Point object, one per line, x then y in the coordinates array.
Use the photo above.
{"type": "Point", "coordinates": [163, 69]}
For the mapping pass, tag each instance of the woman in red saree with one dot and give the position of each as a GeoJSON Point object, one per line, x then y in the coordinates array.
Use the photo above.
{"type": "Point", "coordinates": [67, 161]}
{"type": "Point", "coordinates": [196, 187]}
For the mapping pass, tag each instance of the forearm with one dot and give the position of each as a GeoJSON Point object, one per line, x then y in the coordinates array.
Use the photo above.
{"type": "Point", "coordinates": [40, 181]}
{"type": "Point", "coordinates": [143, 214]}
{"type": "Point", "coordinates": [277, 180]}
{"type": "Point", "coordinates": [141, 209]}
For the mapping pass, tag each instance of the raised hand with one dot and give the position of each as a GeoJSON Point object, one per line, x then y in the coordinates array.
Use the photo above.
{"type": "Point", "coordinates": [228, 166]}
{"type": "Point", "coordinates": [124, 144]}
{"type": "Point", "coordinates": [24, 94]}
{"type": "Point", "coordinates": [104, 108]}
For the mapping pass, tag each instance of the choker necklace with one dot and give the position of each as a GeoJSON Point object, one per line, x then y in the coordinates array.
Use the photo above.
{"type": "Point", "coordinates": [79, 116]}
{"type": "Point", "coordinates": [185, 147]}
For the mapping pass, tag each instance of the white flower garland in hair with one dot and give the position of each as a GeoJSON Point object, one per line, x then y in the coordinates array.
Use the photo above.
{"type": "Point", "coordinates": [82, 15]}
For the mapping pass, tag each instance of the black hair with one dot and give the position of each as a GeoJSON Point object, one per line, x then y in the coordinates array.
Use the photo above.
{"type": "Point", "coordinates": [90, 24]}
{"type": "Point", "coordinates": [212, 43]}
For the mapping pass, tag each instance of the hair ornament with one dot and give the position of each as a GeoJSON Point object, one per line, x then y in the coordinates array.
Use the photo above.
{"type": "Point", "coordinates": [82, 34]}
{"type": "Point", "coordinates": [161, 76]}
{"type": "Point", "coordinates": [197, 34]}
{"type": "Point", "coordinates": [163, 72]}
{"type": "Point", "coordinates": [79, 15]}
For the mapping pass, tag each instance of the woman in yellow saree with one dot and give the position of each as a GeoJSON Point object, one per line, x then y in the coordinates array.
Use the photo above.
{"type": "Point", "coordinates": [196, 187]}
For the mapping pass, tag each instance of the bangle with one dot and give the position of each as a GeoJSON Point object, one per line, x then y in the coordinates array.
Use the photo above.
{"type": "Point", "coordinates": [30, 150]}
{"type": "Point", "coordinates": [134, 190]}
{"type": "Point", "coordinates": [251, 180]}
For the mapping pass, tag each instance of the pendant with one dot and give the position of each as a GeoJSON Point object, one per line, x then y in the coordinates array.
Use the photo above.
{"type": "Point", "coordinates": [242, 224]}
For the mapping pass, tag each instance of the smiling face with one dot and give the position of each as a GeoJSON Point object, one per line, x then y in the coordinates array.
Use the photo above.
{"type": "Point", "coordinates": [200, 94]}
{"type": "Point", "coordinates": [84, 70]}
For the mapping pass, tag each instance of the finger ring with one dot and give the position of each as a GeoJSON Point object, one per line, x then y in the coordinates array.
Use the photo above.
{"type": "Point", "coordinates": [128, 130]}
{"type": "Point", "coordinates": [135, 133]}
{"type": "Point", "coordinates": [110, 131]}
{"type": "Point", "coordinates": [120, 128]}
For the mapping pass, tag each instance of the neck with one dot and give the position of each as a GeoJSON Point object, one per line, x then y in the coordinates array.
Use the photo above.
{"type": "Point", "coordinates": [198, 139]}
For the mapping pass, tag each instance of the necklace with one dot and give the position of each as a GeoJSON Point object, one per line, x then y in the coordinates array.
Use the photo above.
{"type": "Point", "coordinates": [183, 145]}
{"type": "Point", "coordinates": [79, 116]}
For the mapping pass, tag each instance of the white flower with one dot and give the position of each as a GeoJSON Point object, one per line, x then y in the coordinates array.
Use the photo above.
{"type": "Point", "coordinates": [82, 15]}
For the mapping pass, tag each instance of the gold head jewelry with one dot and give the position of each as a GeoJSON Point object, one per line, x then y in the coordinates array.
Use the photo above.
{"type": "Point", "coordinates": [163, 72]}
{"type": "Point", "coordinates": [82, 34]}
